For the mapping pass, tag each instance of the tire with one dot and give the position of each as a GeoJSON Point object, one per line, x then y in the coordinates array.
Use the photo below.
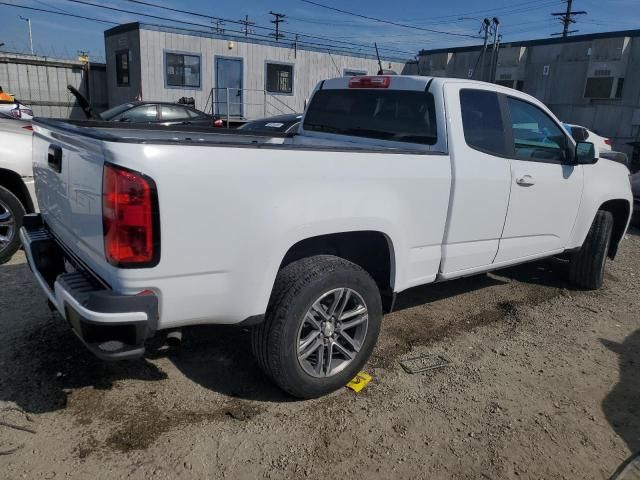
{"type": "Point", "coordinates": [300, 303]}
{"type": "Point", "coordinates": [11, 214]}
{"type": "Point", "coordinates": [586, 268]}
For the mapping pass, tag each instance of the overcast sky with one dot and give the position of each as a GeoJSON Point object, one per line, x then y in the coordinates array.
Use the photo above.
{"type": "Point", "coordinates": [57, 35]}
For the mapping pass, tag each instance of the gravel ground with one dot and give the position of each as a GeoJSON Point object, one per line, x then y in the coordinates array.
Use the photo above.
{"type": "Point", "coordinates": [543, 383]}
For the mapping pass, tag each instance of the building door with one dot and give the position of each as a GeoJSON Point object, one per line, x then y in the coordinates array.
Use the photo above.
{"type": "Point", "coordinates": [228, 87]}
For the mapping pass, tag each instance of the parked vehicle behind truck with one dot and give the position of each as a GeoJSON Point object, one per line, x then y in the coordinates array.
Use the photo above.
{"type": "Point", "coordinates": [390, 183]}
{"type": "Point", "coordinates": [17, 189]}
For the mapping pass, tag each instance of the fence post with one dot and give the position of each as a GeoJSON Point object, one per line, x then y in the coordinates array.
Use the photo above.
{"type": "Point", "coordinates": [228, 112]}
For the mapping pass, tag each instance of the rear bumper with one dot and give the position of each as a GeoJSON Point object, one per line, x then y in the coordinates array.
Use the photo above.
{"type": "Point", "coordinates": [112, 326]}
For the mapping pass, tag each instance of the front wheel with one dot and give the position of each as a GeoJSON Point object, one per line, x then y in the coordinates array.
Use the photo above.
{"type": "Point", "coordinates": [320, 327]}
{"type": "Point", "coordinates": [11, 214]}
{"type": "Point", "coordinates": [586, 267]}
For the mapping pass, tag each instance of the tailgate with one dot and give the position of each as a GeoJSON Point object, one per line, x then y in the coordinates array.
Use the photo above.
{"type": "Point", "coordinates": [68, 174]}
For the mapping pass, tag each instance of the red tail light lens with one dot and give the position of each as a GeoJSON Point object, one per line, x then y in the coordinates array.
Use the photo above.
{"type": "Point", "coordinates": [369, 82]}
{"type": "Point", "coordinates": [130, 218]}
{"type": "Point", "coordinates": [608, 141]}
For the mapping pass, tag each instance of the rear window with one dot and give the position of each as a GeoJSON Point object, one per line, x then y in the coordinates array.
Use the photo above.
{"type": "Point", "coordinates": [398, 115]}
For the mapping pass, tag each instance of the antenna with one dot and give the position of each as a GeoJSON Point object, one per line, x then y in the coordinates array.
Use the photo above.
{"type": "Point", "coordinates": [381, 71]}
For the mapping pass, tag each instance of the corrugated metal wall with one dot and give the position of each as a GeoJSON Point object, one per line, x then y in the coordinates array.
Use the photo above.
{"type": "Point", "coordinates": [42, 83]}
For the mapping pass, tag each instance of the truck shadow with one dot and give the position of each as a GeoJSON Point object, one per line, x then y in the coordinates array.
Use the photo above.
{"type": "Point", "coordinates": [622, 405]}
{"type": "Point", "coordinates": [41, 360]}
{"type": "Point", "coordinates": [219, 358]}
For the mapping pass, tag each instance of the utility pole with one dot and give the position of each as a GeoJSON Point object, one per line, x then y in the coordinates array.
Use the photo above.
{"type": "Point", "coordinates": [567, 19]}
{"type": "Point", "coordinates": [277, 19]}
{"type": "Point", "coordinates": [494, 51]}
{"type": "Point", "coordinates": [83, 57]}
{"type": "Point", "coordinates": [219, 26]}
{"type": "Point", "coordinates": [246, 23]}
{"type": "Point", "coordinates": [486, 24]}
{"type": "Point", "coordinates": [28, 20]}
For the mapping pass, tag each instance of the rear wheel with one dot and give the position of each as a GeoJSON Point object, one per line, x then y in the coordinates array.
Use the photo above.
{"type": "Point", "coordinates": [11, 215]}
{"type": "Point", "coordinates": [586, 268]}
{"type": "Point", "coordinates": [320, 327]}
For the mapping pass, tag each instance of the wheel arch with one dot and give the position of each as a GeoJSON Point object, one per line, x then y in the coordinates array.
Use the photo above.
{"type": "Point", "coordinates": [13, 182]}
{"type": "Point", "coordinates": [371, 250]}
{"type": "Point", "coordinates": [621, 211]}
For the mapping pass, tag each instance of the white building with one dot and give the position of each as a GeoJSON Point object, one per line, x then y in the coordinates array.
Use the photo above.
{"type": "Point", "coordinates": [243, 77]}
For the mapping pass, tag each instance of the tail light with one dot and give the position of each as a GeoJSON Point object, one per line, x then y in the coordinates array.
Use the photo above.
{"type": "Point", "coordinates": [130, 218]}
{"type": "Point", "coordinates": [608, 141]}
{"type": "Point", "coordinates": [28, 127]}
{"type": "Point", "coordinates": [369, 82]}
{"type": "Point", "coordinates": [217, 122]}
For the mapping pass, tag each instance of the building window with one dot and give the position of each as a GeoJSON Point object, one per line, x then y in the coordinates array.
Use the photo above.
{"type": "Point", "coordinates": [598, 87]}
{"type": "Point", "coordinates": [619, 87]}
{"type": "Point", "coordinates": [505, 83]}
{"type": "Point", "coordinates": [348, 72]}
{"type": "Point", "coordinates": [182, 70]}
{"type": "Point", "coordinates": [122, 68]}
{"type": "Point", "coordinates": [279, 78]}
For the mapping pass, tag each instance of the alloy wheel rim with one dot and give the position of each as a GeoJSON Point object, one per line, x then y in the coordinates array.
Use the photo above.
{"type": "Point", "coordinates": [7, 226]}
{"type": "Point", "coordinates": [332, 332]}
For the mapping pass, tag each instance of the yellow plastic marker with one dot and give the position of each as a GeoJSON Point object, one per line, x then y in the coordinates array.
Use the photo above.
{"type": "Point", "coordinates": [359, 382]}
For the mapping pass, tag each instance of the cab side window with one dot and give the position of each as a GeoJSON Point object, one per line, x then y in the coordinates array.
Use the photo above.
{"type": "Point", "coordinates": [482, 122]}
{"type": "Point", "coordinates": [536, 137]}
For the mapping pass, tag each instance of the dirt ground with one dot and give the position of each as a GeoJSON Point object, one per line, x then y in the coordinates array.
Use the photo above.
{"type": "Point", "coordinates": [543, 383]}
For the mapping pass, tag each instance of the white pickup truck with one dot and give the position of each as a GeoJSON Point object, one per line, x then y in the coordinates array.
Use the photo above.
{"type": "Point", "coordinates": [390, 182]}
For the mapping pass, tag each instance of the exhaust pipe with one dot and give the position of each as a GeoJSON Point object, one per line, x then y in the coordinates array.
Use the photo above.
{"type": "Point", "coordinates": [174, 338]}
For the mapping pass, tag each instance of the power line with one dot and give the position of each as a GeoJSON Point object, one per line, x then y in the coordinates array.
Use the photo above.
{"type": "Point", "coordinates": [58, 13]}
{"type": "Point", "coordinates": [504, 11]}
{"type": "Point", "coordinates": [240, 22]}
{"type": "Point", "coordinates": [567, 19]}
{"type": "Point", "coordinates": [336, 48]}
{"type": "Point", "coordinates": [389, 22]}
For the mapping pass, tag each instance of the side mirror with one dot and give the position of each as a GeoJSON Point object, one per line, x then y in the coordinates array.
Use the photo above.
{"type": "Point", "coordinates": [585, 153]}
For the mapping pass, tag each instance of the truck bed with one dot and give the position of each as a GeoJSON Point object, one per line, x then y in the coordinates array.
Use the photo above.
{"type": "Point", "coordinates": [190, 135]}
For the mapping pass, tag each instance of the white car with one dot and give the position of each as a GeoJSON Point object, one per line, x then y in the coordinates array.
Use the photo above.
{"type": "Point", "coordinates": [391, 182]}
{"type": "Point", "coordinates": [583, 134]}
{"type": "Point", "coordinates": [17, 189]}
{"type": "Point", "coordinates": [16, 110]}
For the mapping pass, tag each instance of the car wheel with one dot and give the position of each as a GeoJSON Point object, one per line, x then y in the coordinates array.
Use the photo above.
{"type": "Point", "coordinates": [586, 268]}
{"type": "Point", "coordinates": [11, 215]}
{"type": "Point", "coordinates": [321, 325]}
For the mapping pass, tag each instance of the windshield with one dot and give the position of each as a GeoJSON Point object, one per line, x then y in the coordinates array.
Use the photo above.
{"type": "Point", "coordinates": [398, 115]}
{"type": "Point", "coordinates": [112, 112]}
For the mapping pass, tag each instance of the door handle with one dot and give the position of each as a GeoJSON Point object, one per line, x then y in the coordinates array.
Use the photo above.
{"type": "Point", "coordinates": [54, 158]}
{"type": "Point", "coordinates": [525, 181]}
